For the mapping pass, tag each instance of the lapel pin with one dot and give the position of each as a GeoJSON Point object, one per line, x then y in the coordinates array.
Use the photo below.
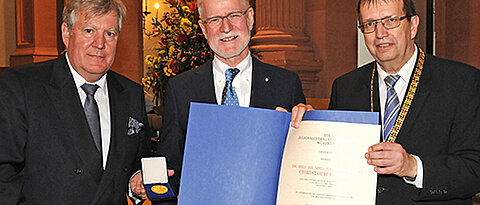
{"type": "Point", "coordinates": [266, 79]}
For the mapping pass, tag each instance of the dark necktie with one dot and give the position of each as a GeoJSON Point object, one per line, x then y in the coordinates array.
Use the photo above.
{"type": "Point", "coordinates": [229, 96]}
{"type": "Point", "coordinates": [392, 106]}
{"type": "Point", "coordinates": [91, 111]}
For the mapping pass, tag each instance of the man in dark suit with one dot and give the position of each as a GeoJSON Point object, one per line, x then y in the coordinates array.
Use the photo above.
{"type": "Point", "coordinates": [227, 25]}
{"type": "Point", "coordinates": [72, 130]}
{"type": "Point", "coordinates": [430, 108]}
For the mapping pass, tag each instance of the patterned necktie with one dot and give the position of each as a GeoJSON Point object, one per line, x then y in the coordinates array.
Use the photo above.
{"type": "Point", "coordinates": [392, 106]}
{"type": "Point", "coordinates": [229, 96]}
{"type": "Point", "coordinates": [91, 111]}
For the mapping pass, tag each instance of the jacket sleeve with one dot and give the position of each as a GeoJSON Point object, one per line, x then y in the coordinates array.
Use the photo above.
{"type": "Point", "coordinates": [299, 97]}
{"type": "Point", "coordinates": [13, 137]}
{"type": "Point", "coordinates": [332, 105]}
{"type": "Point", "coordinates": [172, 137]}
{"type": "Point", "coordinates": [456, 174]}
{"type": "Point", "coordinates": [145, 145]}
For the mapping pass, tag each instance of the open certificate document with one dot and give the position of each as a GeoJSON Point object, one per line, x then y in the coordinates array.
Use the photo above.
{"type": "Point", "coordinates": [243, 156]}
{"type": "Point", "coordinates": [324, 163]}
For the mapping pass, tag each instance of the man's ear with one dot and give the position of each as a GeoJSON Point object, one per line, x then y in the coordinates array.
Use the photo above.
{"type": "Point", "coordinates": [202, 26]}
{"type": "Point", "coordinates": [65, 34]}
{"type": "Point", "coordinates": [250, 18]}
{"type": "Point", "coordinates": [414, 21]}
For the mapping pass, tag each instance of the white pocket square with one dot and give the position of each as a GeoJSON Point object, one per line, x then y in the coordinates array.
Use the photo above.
{"type": "Point", "coordinates": [134, 126]}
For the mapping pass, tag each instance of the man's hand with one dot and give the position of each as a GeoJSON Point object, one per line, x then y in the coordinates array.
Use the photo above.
{"type": "Point", "coordinates": [391, 158]}
{"type": "Point", "coordinates": [297, 113]}
{"type": "Point", "coordinates": [136, 184]}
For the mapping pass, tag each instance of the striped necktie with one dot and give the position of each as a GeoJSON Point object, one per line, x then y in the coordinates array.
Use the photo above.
{"type": "Point", "coordinates": [392, 106]}
{"type": "Point", "coordinates": [229, 96]}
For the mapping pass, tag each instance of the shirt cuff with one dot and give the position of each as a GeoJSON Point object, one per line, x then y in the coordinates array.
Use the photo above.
{"type": "Point", "coordinates": [133, 196]}
{"type": "Point", "coordinates": [418, 181]}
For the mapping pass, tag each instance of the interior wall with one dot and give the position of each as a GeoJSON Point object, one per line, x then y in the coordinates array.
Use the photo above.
{"type": "Point", "coordinates": [7, 31]}
{"type": "Point", "coordinates": [129, 57]}
{"type": "Point", "coordinates": [332, 27]}
{"type": "Point", "coordinates": [421, 38]}
{"type": "Point", "coordinates": [457, 30]}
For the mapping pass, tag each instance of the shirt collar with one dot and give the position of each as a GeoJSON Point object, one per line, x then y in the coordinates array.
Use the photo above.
{"type": "Point", "coordinates": [79, 80]}
{"type": "Point", "coordinates": [405, 72]}
{"type": "Point", "coordinates": [221, 67]}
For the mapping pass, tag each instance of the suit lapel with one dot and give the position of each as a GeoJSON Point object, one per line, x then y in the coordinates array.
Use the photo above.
{"type": "Point", "coordinates": [419, 99]}
{"type": "Point", "coordinates": [67, 102]}
{"type": "Point", "coordinates": [119, 104]}
{"type": "Point", "coordinates": [203, 84]}
{"type": "Point", "coordinates": [366, 88]}
{"type": "Point", "coordinates": [259, 88]}
{"type": "Point", "coordinates": [376, 93]}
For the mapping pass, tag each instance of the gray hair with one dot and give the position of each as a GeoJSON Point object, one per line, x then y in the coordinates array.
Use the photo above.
{"type": "Point", "coordinates": [92, 8]}
{"type": "Point", "coordinates": [245, 4]}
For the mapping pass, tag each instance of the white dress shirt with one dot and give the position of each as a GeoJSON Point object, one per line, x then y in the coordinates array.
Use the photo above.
{"type": "Point", "coordinates": [400, 88]}
{"type": "Point", "coordinates": [101, 96]}
{"type": "Point", "coordinates": [242, 83]}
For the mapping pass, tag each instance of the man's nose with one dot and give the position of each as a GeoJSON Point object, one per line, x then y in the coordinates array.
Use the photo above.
{"type": "Point", "coordinates": [226, 26]}
{"type": "Point", "coordinates": [99, 41]}
{"type": "Point", "coordinates": [381, 31]}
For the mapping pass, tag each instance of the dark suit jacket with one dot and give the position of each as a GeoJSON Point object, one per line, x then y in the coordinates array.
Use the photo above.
{"type": "Point", "coordinates": [282, 89]}
{"type": "Point", "coordinates": [47, 154]}
{"type": "Point", "coordinates": [442, 128]}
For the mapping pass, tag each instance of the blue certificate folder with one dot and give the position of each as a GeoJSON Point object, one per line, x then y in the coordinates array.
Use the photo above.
{"type": "Point", "coordinates": [233, 154]}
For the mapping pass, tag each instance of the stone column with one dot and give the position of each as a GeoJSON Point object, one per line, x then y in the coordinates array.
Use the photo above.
{"type": "Point", "coordinates": [281, 40]}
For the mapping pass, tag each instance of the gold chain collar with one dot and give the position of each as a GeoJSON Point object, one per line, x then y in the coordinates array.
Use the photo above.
{"type": "Point", "coordinates": [408, 100]}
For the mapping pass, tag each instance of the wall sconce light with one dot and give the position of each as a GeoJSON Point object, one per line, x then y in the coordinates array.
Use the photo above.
{"type": "Point", "coordinates": [157, 6]}
{"type": "Point", "coordinates": [145, 13]}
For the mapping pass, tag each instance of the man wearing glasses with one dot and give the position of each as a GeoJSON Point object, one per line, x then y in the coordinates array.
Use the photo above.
{"type": "Point", "coordinates": [234, 77]}
{"type": "Point", "coordinates": [430, 111]}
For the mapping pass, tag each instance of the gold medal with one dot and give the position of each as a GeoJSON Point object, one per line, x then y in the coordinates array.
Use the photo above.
{"type": "Point", "coordinates": [159, 189]}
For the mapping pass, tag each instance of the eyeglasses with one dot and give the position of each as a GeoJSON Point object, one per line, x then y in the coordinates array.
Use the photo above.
{"type": "Point", "coordinates": [233, 17]}
{"type": "Point", "coordinates": [389, 22]}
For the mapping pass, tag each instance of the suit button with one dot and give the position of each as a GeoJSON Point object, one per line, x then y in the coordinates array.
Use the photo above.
{"type": "Point", "coordinates": [78, 171]}
{"type": "Point", "coordinates": [380, 190]}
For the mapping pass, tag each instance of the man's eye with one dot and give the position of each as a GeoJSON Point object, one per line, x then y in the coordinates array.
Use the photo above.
{"type": "Point", "coordinates": [369, 24]}
{"type": "Point", "coordinates": [111, 34]}
{"type": "Point", "coordinates": [235, 15]}
{"type": "Point", "coordinates": [392, 20]}
{"type": "Point", "coordinates": [89, 30]}
{"type": "Point", "coordinates": [213, 20]}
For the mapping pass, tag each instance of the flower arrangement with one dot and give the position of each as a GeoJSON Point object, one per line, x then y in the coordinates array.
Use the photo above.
{"type": "Point", "coordinates": [181, 46]}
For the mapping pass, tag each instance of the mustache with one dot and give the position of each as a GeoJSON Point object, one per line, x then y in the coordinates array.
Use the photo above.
{"type": "Point", "coordinates": [227, 35]}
